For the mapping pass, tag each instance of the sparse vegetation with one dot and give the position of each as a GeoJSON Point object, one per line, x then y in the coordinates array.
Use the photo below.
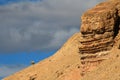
{"type": "Point", "coordinates": [32, 62]}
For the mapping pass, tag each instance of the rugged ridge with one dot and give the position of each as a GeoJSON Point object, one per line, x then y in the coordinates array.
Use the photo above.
{"type": "Point", "coordinates": [86, 54]}
{"type": "Point", "coordinates": [99, 29]}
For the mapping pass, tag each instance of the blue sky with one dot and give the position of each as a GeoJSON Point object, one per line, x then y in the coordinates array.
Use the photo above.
{"type": "Point", "coordinates": [23, 57]}
{"type": "Point", "coordinates": [4, 2]}
{"type": "Point", "coordinates": [11, 59]}
{"type": "Point", "coordinates": [13, 62]}
{"type": "Point", "coordinates": [32, 30]}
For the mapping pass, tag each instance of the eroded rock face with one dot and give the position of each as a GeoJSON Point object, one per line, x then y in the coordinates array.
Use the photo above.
{"type": "Point", "coordinates": [99, 29]}
{"type": "Point", "coordinates": [84, 51]}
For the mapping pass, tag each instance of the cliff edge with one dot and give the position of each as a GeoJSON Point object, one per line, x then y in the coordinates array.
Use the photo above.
{"type": "Point", "coordinates": [91, 54]}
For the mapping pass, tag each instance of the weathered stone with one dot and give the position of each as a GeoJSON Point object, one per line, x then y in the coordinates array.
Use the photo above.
{"type": "Point", "coordinates": [99, 30]}
{"type": "Point", "coordinates": [84, 51]}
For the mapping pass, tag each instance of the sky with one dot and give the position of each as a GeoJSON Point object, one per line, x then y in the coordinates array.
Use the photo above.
{"type": "Point", "coordinates": [32, 30]}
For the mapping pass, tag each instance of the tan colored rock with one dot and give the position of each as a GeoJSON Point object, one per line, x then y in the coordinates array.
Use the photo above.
{"type": "Point", "coordinates": [107, 70]}
{"type": "Point", "coordinates": [91, 54]}
{"type": "Point", "coordinates": [99, 29]}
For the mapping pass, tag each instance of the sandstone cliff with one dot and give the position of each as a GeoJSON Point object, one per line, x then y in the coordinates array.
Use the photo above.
{"type": "Point", "coordinates": [91, 54]}
{"type": "Point", "coordinates": [99, 29]}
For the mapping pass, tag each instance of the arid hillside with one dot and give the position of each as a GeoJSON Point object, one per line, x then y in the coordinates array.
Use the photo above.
{"type": "Point", "coordinates": [91, 54]}
{"type": "Point", "coordinates": [65, 64]}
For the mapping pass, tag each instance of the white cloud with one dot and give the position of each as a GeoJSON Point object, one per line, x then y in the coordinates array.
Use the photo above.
{"type": "Point", "coordinates": [43, 25]}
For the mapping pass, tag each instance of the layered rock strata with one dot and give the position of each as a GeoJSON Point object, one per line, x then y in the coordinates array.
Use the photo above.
{"type": "Point", "coordinates": [84, 51]}
{"type": "Point", "coordinates": [99, 29]}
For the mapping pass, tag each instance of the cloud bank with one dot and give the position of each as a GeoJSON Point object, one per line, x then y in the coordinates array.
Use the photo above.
{"type": "Point", "coordinates": [43, 25]}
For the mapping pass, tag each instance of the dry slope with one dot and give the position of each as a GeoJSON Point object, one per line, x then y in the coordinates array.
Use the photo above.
{"type": "Point", "coordinates": [57, 67]}
{"type": "Point", "coordinates": [91, 54]}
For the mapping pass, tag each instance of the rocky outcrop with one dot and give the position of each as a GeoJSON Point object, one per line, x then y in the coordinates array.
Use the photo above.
{"type": "Point", "coordinates": [97, 40]}
{"type": "Point", "coordinates": [99, 30]}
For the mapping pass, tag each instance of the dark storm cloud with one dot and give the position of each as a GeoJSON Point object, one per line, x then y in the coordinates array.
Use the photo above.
{"type": "Point", "coordinates": [43, 25]}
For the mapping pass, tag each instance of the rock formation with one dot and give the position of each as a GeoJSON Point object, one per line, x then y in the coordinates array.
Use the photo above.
{"type": "Point", "coordinates": [86, 53]}
{"type": "Point", "coordinates": [99, 29]}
